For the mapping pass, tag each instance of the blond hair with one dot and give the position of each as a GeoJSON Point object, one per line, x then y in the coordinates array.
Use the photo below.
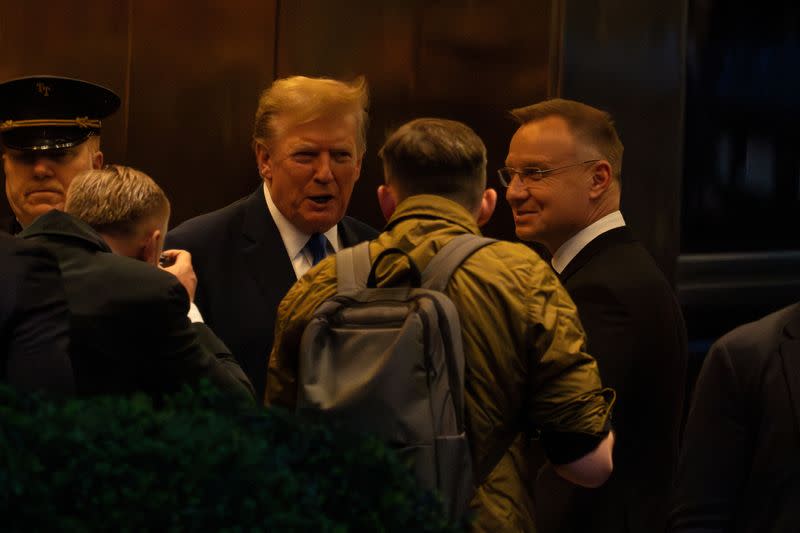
{"type": "Point", "coordinates": [116, 199]}
{"type": "Point", "coordinates": [299, 100]}
{"type": "Point", "coordinates": [593, 127]}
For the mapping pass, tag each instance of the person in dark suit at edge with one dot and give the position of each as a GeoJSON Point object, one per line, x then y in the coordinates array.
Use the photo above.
{"type": "Point", "coordinates": [50, 132]}
{"type": "Point", "coordinates": [563, 178]}
{"type": "Point", "coordinates": [34, 319]}
{"type": "Point", "coordinates": [309, 140]}
{"type": "Point", "coordinates": [130, 330]}
{"type": "Point", "coordinates": [739, 469]}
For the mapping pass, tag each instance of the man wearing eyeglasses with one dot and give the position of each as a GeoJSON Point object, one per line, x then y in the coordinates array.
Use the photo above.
{"type": "Point", "coordinates": [563, 184]}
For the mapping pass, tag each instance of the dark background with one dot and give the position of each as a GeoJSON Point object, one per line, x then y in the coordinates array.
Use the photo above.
{"type": "Point", "coordinates": [704, 93]}
{"type": "Point", "coordinates": [190, 72]}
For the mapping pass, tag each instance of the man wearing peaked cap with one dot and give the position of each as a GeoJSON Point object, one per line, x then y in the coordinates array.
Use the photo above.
{"type": "Point", "coordinates": [49, 131]}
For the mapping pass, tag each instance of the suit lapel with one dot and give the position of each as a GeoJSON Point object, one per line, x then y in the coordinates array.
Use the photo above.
{"type": "Point", "coordinates": [263, 250]}
{"type": "Point", "coordinates": [352, 232]}
{"type": "Point", "coordinates": [602, 241]}
{"type": "Point", "coordinates": [347, 235]}
{"type": "Point", "coordinates": [790, 358]}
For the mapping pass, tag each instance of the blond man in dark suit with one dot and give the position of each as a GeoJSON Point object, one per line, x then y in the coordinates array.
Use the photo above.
{"type": "Point", "coordinates": [309, 140]}
{"type": "Point", "coordinates": [130, 328]}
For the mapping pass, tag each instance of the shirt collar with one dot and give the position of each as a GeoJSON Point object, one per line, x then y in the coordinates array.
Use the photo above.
{"type": "Point", "coordinates": [295, 240]}
{"type": "Point", "coordinates": [567, 251]}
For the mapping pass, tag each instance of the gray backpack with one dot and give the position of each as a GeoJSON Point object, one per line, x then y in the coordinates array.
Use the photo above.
{"type": "Point", "coordinates": [389, 361]}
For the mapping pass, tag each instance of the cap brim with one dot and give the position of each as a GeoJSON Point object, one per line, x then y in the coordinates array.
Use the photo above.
{"type": "Point", "coordinates": [45, 138]}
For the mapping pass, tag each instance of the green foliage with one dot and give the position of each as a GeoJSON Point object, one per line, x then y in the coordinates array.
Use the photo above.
{"type": "Point", "coordinates": [197, 463]}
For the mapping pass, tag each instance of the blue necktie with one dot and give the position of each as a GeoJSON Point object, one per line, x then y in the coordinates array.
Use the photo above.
{"type": "Point", "coordinates": [317, 246]}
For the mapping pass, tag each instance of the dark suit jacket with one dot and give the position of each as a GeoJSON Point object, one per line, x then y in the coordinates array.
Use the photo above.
{"type": "Point", "coordinates": [129, 329]}
{"type": "Point", "coordinates": [34, 319]}
{"type": "Point", "coordinates": [635, 330]}
{"type": "Point", "coordinates": [243, 272]}
{"type": "Point", "coordinates": [10, 225]}
{"type": "Point", "coordinates": [740, 461]}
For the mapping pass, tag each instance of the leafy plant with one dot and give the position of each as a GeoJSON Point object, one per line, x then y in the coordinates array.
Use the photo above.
{"type": "Point", "coordinates": [196, 463]}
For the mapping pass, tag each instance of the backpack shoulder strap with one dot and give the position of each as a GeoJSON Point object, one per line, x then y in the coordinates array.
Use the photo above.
{"type": "Point", "coordinates": [352, 268]}
{"type": "Point", "coordinates": [449, 258]}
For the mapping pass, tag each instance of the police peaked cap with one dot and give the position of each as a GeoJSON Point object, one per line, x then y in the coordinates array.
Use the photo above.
{"type": "Point", "coordinates": [51, 112]}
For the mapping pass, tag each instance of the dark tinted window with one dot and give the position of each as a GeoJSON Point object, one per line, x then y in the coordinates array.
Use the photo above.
{"type": "Point", "coordinates": [741, 187]}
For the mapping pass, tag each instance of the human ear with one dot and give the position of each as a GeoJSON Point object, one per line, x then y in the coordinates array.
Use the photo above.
{"type": "Point", "coordinates": [601, 179]}
{"type": "Point", "coordinates": [97, 160]}
{"type": "Point", "coordinates": [387, 200]}
{"type": "Point", "coordinates": [150, 249]}
{"type": "Point", "coordinates": [264, 162]}
{"type": "Point", "coordinates": [486, 209]}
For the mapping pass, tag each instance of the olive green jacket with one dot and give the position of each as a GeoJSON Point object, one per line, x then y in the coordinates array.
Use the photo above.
{"type": "Point", "coordinates": [526, 369]}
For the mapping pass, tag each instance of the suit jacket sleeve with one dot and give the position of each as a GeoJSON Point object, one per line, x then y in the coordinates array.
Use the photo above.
{"type": "Point", "coordinates": [192, 352]}
{"type": "Point", "coordinates": [716, 448]}
{"type": "Point", "coordinates": [38, 338]}
{"type": "Point", "coordinates": [223, 355]}
{"type": "Point", "coordinates": [635, 331]}
{"type": "Point", "coordinates": [294, 313]}
{"type": "Point", "coordinates": [641, 350]}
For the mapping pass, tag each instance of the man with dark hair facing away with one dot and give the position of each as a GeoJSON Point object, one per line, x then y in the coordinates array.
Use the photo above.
{"type": "Point", "coordinates": [526, 368]}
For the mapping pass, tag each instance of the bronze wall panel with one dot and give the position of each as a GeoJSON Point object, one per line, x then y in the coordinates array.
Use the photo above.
{"type": "Point", "coordinates": [628, 57]}
{"type": "Point", "coordinates": [87, 40]}
{"type": "Point", "coordinates": [196, 71]}
{"type": "Point", "coordinates": [189, 74]}
{"type": "Point", "coordinates": [469, 61]}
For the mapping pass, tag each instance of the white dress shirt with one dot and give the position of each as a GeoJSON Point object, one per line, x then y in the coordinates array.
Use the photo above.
{"type": "Point", "coordinates": [577, 242]}
{"type": "Point", "coordinates": [295, 240]}
{"type": "Point", "coordinates": [194, 313]}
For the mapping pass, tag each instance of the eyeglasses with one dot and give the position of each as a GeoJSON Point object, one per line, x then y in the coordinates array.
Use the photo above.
{"type": "Point", "coordinates": [530, 175]}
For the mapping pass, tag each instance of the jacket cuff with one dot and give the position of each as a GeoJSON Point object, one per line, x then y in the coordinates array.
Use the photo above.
{"type": "Point", "coordinates": [563, 447]}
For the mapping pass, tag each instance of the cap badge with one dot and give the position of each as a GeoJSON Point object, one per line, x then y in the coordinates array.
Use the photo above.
{"type": "Point", "coordinates": [43, 89]}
